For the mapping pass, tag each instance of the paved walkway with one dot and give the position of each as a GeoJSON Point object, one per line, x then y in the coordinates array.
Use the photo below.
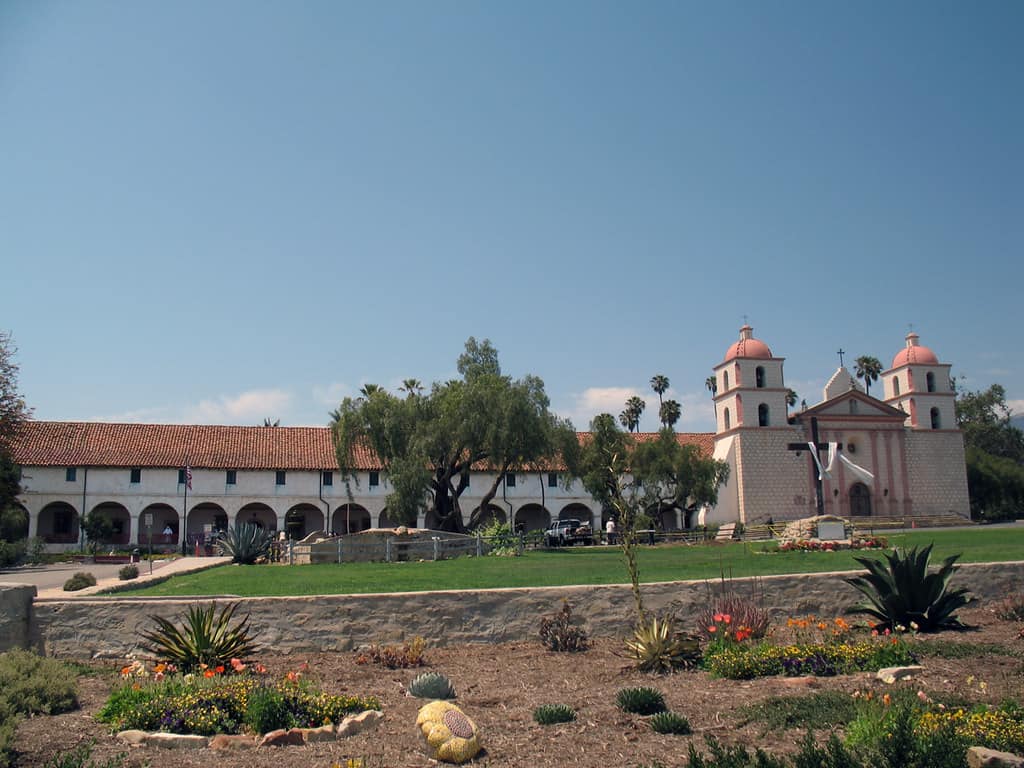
{"type": "Point", "coordinates": [49, 580]}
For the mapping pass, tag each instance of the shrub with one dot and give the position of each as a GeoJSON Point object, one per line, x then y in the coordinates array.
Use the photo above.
{"type": "Point", "coordinates": [657, 646]}
{"type": "Point", "coordinates": [503, 542]}
{"type": "Point", "coordinates": [11, 553]}
{"type": "Point", "coordinates": [729, 757]}
{"type": "Point", "coordinates": [80, 757]}
{"type": "Point", "coordinates": [204, 638]}
{"type": "Point", "coordinates": [640, 701]}
{"type": "Point", "coordinates": [432, 685]}
{"type": "Point", "coordinates": [1010, 608]}
{"type": "Point", "coordinates": [902, 594]}
{"type": "Point", "coordinates": [266, 710]}
{"type": "Point", "coordinates": [408, 654]}
{"type": "Point", "coordinates": [745, 612]}
{"type": "Point", "coordinates": [80, 580]}
{"type": "Point", "coordinates": [558, 633]}
{"type": "Point", "coordinates": [128, 572]}
{"type": "Point", "coordinates": [246, 544]}
{"type": "Point", "coordinates": [670, 723]}
{"type": "Point", "coordinates": [34, 685]}
{"type": "Point", "coordinates": [550, 714]}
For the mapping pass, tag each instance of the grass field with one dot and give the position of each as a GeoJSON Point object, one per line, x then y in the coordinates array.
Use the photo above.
{"type": "Point", "coordinates": [579, 565]}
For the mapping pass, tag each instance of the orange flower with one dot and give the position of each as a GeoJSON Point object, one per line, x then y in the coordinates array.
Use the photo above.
{"type": "Point", "coordinates": [160, 668]}
{"type": "Point", "coordinates": [712, 628]}
{"type": "Point", "coordinates": [220, 669]}
{"type": "Point", "coordinates": [260, 669]}
{"type": "Point", "coordinates": [209, 673]}
{"type": "Point", "coordinates": [887, 699]}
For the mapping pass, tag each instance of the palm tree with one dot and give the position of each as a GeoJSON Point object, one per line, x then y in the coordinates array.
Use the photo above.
{"type": "Point", "coordinates": [412, 387]}
{"type": "Point", "coordinates": [669, 413]}
{"type": "Point", "coordinates": [368, 390]}
{"type": "Point", "coordinates": [268, 422]}
{"type": "Point", "coordinates": [659, 384]}
{"type": "Point", "coordinates": [791, 397]}
{"type": "Point", "coordinates": [867, 368]}
{"type": "Point", "coordinates": [711, 384]}
{"type": "Point", "coordinates": [630, 417]}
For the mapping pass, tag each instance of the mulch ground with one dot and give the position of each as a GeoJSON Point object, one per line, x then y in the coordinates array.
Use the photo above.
{"type": "Point", "coordinates": [500, 685]}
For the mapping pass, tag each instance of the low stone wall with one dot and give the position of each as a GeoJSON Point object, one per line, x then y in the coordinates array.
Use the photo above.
{"type": "Point", "coordinates": [15, 615]}
{"type": "Point", "coordinates": [108, 627]}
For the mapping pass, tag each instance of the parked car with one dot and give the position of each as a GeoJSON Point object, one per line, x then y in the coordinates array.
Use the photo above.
{"type": "Point", "coordinates": [563, 533]}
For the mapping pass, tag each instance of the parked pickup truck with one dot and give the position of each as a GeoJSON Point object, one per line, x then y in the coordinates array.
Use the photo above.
{"type": "Point", "coordinates": [563, 533]}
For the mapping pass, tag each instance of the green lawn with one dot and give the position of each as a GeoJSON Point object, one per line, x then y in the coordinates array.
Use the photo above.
{"type": "Point", "coordinates": [579, 565]}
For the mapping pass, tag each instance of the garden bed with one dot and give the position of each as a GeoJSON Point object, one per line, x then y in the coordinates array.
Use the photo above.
{"type": "Point", "coordinates": [500, 685]}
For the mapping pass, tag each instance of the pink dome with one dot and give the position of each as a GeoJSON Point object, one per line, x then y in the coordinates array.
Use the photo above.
{"type": "Point", "coordinates": [914, 353]}
{"type": "Point", "coordinates": [748, 346]}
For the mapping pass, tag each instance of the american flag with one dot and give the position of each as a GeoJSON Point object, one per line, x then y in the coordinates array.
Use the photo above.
{"type": "Point", "coordinates": [188, 477]}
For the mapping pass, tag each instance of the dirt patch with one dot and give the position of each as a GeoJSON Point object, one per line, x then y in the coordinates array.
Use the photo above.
{"type": "Point", "coordinates": [500, 685]}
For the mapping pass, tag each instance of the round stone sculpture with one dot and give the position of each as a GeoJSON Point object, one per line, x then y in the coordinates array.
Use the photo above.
{"type": "Point", "coordinates": [452, 736]}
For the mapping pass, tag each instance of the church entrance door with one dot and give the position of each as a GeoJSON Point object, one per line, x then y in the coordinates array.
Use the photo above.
{"type": "Point", "coordinates": [860, 500]}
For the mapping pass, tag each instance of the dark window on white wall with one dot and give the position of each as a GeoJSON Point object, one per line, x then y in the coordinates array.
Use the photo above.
{"type": "Point", "coordinates": [231, 477]}
{"type": "Point", "coordinates": [936, 419]}
{"type": "Point", "coordinates": [725, 380]}
{"type": "Point", "coordinates": [181, 477]}
{"type": "Point", "coordinates": [510, 479]}
{"type": "Point", "coordinates": [728, 421]}
{"type": "Point", "coordinates": [552, 479]}
{"type": "Point", "coordinates": [374, 479]}
{"type": "Point", "coordinates": [762, 415]}
{"type": "Point", "coordinates": [759, 377]}
{"type": "Point", "coordinates": [929, 380]}
{"type": "Point", "coordinates": [328, 478]}
{"type": "Point", "coordinates": [135, 476]}
{"type": "Point", "coordinates": [896, 385]}
{"type": "Point", "coordinates": [281, 477]}
{"type": "Point", "coordinates": [71, 474]}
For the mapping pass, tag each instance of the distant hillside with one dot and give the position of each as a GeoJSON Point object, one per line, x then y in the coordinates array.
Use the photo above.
{"type": "Point", "coordinates": [1017, 421]}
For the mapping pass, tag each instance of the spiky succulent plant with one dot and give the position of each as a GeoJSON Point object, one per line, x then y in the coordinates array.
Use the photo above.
{"type": "Point", "coordinates": [670, 722]}
{"type": "Point", "coordinates": [549, 714]}
{"type": "Point", "coordinates": [246, 543]}
{"type": "Point", "coordinates": [432, 685]}
{"type": "Point", "coordinates": [205, 637]}
{"type": "Point", "coordinates": [658, 646]}
{"type": "Point", "coordinates": [640, 701]}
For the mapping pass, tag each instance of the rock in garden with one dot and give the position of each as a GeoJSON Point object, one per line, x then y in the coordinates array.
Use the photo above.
{"type": "Point", "coordinates": [133, 736]}
{"type": "Point", "coordinates": [364, 721]}
{"type": "Point", "coordinates": [891, 674]}
{"type": "Point", "coordinates": [312, 735]}
{"type": "Point", "coordinates": [451, 736]}
{"type": "Point", "coordinates": [800, 682]}
{"type": "Point", "coordinates": [176, 741]}
{"type": "Point", "coordinates": [232, 741]}
{"type": "Point", "coordinates": [979, 757]}
{"type": "Point", "coordinates": [282, 738]}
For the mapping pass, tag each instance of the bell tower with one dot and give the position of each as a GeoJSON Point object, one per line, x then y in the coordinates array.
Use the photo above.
{"type": "Point", "coordinates": [750, 392]}
{"type": "Point", "coordinates": [919, 385]}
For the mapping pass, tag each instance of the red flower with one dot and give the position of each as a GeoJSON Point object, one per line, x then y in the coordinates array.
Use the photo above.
{"type": "Point", "coordinates": [209, 673]}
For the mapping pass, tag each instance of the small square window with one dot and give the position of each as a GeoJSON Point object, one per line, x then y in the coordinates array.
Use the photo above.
{"type": "Point", "coordinates": [71, 474]}
{"type": "Point", "coordinates": [552, 479]}
{"type": "Point", "coordinates": [136, 476]}
{"type": "Point", "coordinates": [280, 477]}
{"type": "Point", "coordinates": [231, 477]}
{"type": "Point", "coordinates": [328, 478]}
{"type": "Point", "coordinates": [510, 479]}
{"type": "Point", "coordinates": [374, 479]}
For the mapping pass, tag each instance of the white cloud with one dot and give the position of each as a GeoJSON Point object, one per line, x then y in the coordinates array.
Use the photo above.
{"type": "Point", "coordinates": [333, 393]}
{"type": "Point", "coordinates": [698, 411]}
{"type": "Point", "coordinates": [594, 400]}
{"type": "Point", "coordinates": [247, 407]}
{"type": "Point", "coordinates": [1016, 406]}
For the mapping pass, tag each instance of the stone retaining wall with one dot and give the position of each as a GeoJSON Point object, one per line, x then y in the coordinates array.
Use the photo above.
{"type": "Point", "coordinates": [15, 615]}
{"type": "Point", "coordinates": [108, 627]}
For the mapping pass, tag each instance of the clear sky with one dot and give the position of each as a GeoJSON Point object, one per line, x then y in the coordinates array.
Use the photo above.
{"type": "Point", "coordinates": [224, 211]}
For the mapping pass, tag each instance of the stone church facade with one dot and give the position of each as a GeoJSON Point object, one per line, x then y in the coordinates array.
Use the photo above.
{"type": "Point", "coordinates": [907, 451]}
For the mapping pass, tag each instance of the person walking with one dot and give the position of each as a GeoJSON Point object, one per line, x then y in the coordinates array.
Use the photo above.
{"type": "Point", "coordinates": [609, 530]}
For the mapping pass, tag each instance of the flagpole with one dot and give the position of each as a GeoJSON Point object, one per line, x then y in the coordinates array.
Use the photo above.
{"type": "Point", "coordinates": [184, 516]}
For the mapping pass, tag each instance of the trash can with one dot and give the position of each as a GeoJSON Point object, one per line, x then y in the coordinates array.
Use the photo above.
{"type": "Point", "coordinates": [135, 555]}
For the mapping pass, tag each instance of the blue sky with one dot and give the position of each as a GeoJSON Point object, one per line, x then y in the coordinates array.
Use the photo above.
{"type": "Point", "coordinates": [220, 212]}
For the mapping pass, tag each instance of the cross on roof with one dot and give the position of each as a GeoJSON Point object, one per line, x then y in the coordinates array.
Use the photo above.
{"type": "Point", "coordinates": [841, 353]}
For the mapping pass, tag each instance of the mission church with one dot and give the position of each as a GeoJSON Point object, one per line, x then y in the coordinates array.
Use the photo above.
{"type": "Point", "coordinates": [899, 456]}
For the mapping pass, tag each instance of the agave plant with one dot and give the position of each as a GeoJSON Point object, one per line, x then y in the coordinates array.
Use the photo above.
{"type": "Point", "coordinates": [204, 638]}
{"type": "Point", "coordinates": [901, 592]}
{"type": "Point", "coordinates": [657, 646]}
{"type": "Point", "coordinates": [640, 701]}
{"type": "Point", "coordinates": [432, 685]}
{"type": "Point", "coordinates": [246, 543]}
{"type": "Point", "coordinates": [551, 714]}
{"type": "Point", "coordinates": [671, 723]}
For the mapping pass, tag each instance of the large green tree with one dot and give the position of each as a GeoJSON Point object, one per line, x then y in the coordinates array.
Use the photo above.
{"type": "Point", "coordinates": [427, 443]}
{"type": "Point", "coordinates": [13, 412]}
{"type": "Point", "coordinates": [632, 476]}
{"type": "Point", "coordinates": [994, 453]}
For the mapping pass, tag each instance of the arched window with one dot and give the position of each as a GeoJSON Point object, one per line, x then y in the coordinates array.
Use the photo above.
{"type": "Point", "coordinates": [725, 381]}
{"type": "Point", "coordinates": [728, 419]}
{"type": "Point", "coordinates": [762, 415]}
{"type": "Point", "coordinates": [759, 377]}
{"type": "Point", "coordinates": [896, 386]}
{"type": "Point", "coordinates": [930, 381]}
{"type": "Point", "coordinates": [936, 419]}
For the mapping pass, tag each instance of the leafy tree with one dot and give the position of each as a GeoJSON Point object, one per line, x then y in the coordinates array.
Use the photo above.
{"type": "Point", "coordinates": [427, 444]}
{"type": "Point", "coordinates": [412, 387]}
{"type": "Point", "coordinates": [994, 453]}
{"type": "Point", "coordinates": [867, 368]}
{"type": "Point", "coordinates": [631, 476]}
{"type": "Point", "coordinates": [659, 384]}
{"type": "Point", "coordinates": [98, 529]}
{"type": "Point", "coordinates": [13, 412]}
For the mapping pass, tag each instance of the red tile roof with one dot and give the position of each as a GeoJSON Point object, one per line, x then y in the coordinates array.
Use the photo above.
{"type": "Point", "coordinates": [95, 444]}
